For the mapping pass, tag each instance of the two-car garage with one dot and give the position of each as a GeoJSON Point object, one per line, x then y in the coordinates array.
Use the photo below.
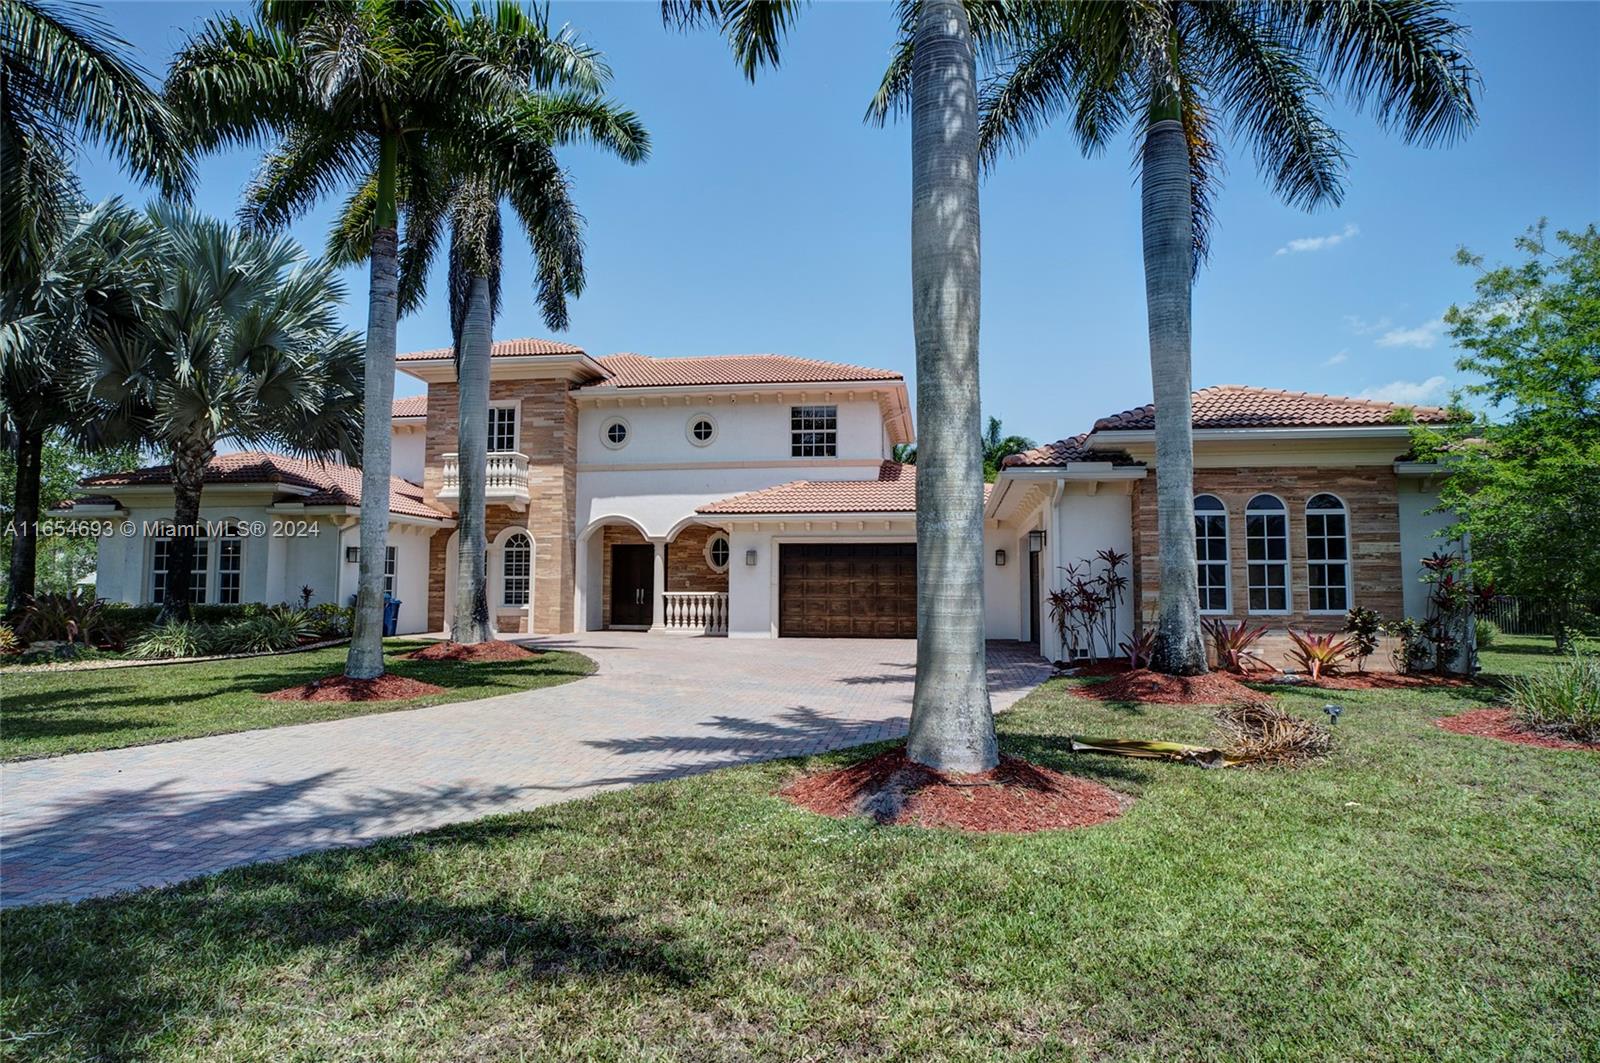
{"type": "Point", "coordinates": [847, 590]}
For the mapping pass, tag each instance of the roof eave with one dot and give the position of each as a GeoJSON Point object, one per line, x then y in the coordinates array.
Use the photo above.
{"type": "Point", "coordinates": [1120, 436]}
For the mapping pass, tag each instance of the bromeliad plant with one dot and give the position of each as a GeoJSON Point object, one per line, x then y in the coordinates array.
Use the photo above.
{"type": "Point", "coordinates": [1319, 655]}
{"type": "Point", "coordinates": [1139, 648]}
{"type": "Point", "coordinates": [1232, 643]}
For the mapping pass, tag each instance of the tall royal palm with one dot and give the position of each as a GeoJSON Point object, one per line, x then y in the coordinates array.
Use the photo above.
{"type": "Point", "coordinates": [549, 84]}
{"type": "Point", "coordinates": [63, 79]}
{"type": "Point", "coordinates": [349, 90]}
{"type": "Point", "coordinates": [952, 727]}
{"type": "Point", "coordinates": [238, 340]}
{"type": "Point", "coordinates": [1176, 69]}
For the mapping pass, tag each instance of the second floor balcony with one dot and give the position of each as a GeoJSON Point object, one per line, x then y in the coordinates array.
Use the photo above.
{"type": "Point", "coordinates": [505, 479]}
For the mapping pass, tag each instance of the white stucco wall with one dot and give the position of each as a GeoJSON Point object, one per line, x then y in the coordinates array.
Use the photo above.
{"type": "Point", "coordinates": [1418, 539]}
{"type": "Point", "coordinates": [407, 447]}
{"type": "Point", "coordinates": [746, 431]}
{"type": "Point", "coordinates": [1002, 587]}
{"type": "Point", "coordinates": [1081, 525]}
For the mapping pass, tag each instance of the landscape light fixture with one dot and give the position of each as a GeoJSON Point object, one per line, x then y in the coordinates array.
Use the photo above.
{"type": "Point", "coordinates": [1333, 712]}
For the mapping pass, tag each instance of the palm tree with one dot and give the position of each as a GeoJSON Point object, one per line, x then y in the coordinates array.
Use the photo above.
{"type": "Point", "coordinates": [1179, 69]}
{"type": "Point", "coordinates": [239, 341]}
{"type": "Point", "coordinates": [997, 447]}
{"type": "Point", "coordinates": [350, 90]}
{"type": "Point", "coordinates": [550, 84]}
{"type": "Point", "coordinates": [92, 277]}
{"type": "Point", "coordinates": [952, 727]}
{"type": "Point", "coordinates": [62, 79]}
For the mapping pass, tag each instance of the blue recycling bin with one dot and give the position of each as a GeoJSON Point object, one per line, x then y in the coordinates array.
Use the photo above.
{"type": "Point", "coordinates": [391, 615]}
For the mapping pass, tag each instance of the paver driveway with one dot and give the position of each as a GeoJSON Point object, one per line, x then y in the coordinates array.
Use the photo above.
{"type": "Point", "coordinates": [659, 707]}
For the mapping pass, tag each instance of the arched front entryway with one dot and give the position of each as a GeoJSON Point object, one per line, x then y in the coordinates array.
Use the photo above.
{"type": "Point", "coordinates": [629, 580]}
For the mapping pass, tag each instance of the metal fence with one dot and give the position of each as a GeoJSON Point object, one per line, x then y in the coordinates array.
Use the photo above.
{"type": "Point", "coordinates": [1517, 617]}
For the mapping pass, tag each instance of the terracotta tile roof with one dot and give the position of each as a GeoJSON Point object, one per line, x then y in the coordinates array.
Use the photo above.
{"type": "Point", "coordinates": [1063, 451]}
{"type": "Point", "coordinates": [411, 406]}
{"type": "Point", "coordinates": [641, 371]}
{"type": "Point", "coordinates": [501, 349]}
{"type": "Point", "coordinates": [332, 485]}
{"type": "Point", "coordinates": [894, 491]}
{"type": "Point", "coordinates": [1236, 406]}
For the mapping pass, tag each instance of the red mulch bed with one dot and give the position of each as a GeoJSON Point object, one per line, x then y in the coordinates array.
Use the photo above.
{"type": "Point", "coordinates": [1142, 684]}
{"type": "Point", "coordinates": [1014, 798]}
{"type": "Point", "coordinates": [1501, 724]}
{"type": "Point", "coordinates": [493, 650]}
{"type": "Point", "coordinates": [341, 688]}
{"type": "Point", "coordinates": [1098, 668]}
{"type": "Point", "coordinates": [1383, 681]}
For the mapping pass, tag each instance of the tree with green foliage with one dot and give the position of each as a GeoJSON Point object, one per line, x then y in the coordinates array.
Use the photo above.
{"type": "Point", "coordinates": [240, 341]}
{"type": "Point", "coordinates": [61, 560]}
{"type": "Point", "coordinates": [1176, 71]}
{"type": "Point", "coordinates": [997, 447]}
{"type": "Point", "coordinates": [1524, 478]}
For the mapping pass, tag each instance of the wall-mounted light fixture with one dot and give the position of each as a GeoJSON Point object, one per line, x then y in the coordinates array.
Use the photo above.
{"type": "Point", "coordinates": [999, 559]}
{"type": "Point", "coordinates": [750, 558]}
{"type": "Point", "coordinates": [1036, 540]}
{"type": "Point", "coordinates": [352, 555]}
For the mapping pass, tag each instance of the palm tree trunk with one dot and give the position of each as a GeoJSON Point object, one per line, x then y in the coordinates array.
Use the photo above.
{"type": "Point", "coordinates": [189, 460]}
{"type": "Point", "coordinates": [472, 397]}
{"type": "Point", "coordinates": [365, 659]}
{"type": "Point", "coordinates": [1168, 275]}
{"type": "Point", "coordinates": [25, 518]}
{"type": "Point", "coordinates": [952, 728]}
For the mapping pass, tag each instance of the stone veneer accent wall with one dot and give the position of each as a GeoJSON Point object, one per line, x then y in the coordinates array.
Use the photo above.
{"type": "Point", "coordinates": [549, 437]}
{"type": "Point", "coordinates": [687, 569]}
{"type": "Point", "coordinates": [1371, 496]}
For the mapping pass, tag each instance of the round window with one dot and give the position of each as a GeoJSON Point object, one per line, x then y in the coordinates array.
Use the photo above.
{"type": "Point", "coordinates": [718, 552]}
{"type": "Point", "coordinates": [702, 429]}
{"type": "Point", "coordinates": [614, 433]}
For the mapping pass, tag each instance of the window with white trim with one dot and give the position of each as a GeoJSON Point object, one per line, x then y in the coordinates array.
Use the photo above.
{"type": "Point", "coordinates": [1327, 554]}
{"type": "Point", "coordinates": [814, 431]}
{"type": "Point", "coordinates": [502, 429]}
{"type": "Point", "coordinates": [159, 565]}
{"type": "Point", "coordinates": [1266, 540]}
{"type": "Point", "coordinates": [391, 569]}
{"type": "Point", "coordinates": [516, 564]}
{"type": "Point", "coordinates": [1211, 553]}
{"type": "Point", "coordinates": [614, 433]}
{"type": "Point", "coordinates": [702, 430]}
{"type": "Point", "coordinates": [718, 552]}
{"type": "Point", "coordinates": [230, 569]}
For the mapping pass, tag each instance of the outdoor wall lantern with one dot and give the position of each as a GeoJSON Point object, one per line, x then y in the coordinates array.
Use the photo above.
{"type": "Point", "coordinates": [999, 559]}
{"type": "Point", "coordinates": [1036, 540]}
{"type": "Point", "coordinates": [352, 554]}
{"type": "Point", "coordinates": [750, 558]}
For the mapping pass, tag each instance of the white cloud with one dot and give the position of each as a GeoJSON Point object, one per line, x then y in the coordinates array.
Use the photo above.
{"type": "Point", "coordinates": [1338, 359]}
{"type": "Point", "coordinates": [1362, 327]}
{"type": "Point", "coordinates": [1319, 243]}
{"type": "Point", "coordinates": [1423, 336]}
{"type": "Point", "coordinates": [1408, 392]}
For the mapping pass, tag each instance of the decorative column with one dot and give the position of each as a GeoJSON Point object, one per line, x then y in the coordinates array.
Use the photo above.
{"type": "Point", "coordinates": [658, 588]}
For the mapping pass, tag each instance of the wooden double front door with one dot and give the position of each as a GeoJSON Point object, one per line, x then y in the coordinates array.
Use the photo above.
{"type": "Point", "coordinates": [632, 583]}
{"type": "Point", "coordinates": [847, 590]}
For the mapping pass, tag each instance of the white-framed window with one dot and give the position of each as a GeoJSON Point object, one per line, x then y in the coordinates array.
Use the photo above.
{"type": "Point", "coordinates": [391, 569]}
{"type": "Point", "coordinates": [160, 564]}
{"type": "Point", "coordinates": [814, 431]}
{"type": "Point", "coordinates": [718, 553]}
{"type": "Point", "coordinates": [614, 433]}
{"type": "Point", "coordinates": [701, 429]}
{"type": "Point", "coordinates": [230, 569]}
{"type": "Point", "coordinates": [1266, 540]}
{"type": "Point", "coordinates": [503, 428]}
{"type": "Point", "coordinates": [1211, 553]}
{"type": "Point", "coordinates": [516, 569]}
{"type": "Point", "coordinates": [1328, 554]}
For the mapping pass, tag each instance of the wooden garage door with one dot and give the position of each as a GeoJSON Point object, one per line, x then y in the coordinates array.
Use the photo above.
{"type": "Point", "coordinates": [847, 590]}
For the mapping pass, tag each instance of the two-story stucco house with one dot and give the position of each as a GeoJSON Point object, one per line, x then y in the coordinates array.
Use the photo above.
{"type": "Point", "coordinates": [756, 496]}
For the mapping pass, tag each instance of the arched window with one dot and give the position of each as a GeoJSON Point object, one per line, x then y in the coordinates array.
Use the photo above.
{"type": "Point", "coordinates": [1211, 552]}
{"type": "Point", "coordinates": [1266, 540]}
{"type": "Point", "coordinates": [1328, 554]}
{"type": "Point", "coordinates": [516, 565]}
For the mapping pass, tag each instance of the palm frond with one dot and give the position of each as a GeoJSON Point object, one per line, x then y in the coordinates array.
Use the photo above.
{"type": "Point", "coordinates": [234, 84]}
{"type": "Point", "coordinates": [754, 29]}
{"type": "Point", "coordinates": [311, 162]}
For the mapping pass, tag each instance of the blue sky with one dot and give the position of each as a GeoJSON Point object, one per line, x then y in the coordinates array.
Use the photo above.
{"type": "Point", "coordinates": [769, 218]}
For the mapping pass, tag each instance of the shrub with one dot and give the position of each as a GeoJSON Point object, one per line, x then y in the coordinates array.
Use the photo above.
{"type": "Point", "coordinates": [331, 621]}
{"type": "Point", "coordinates": [177, 638]}
{"type": "Point", "coordinates": [1562, 700]}
{"type": "Point", "coordinates": [1319, 655]}
{"type": "Point", "coordinates": [1365, 628]}
{"type": "Point", "coordinates": [72, 617]}
{"type": "Point", "coordinates": [1485, 631]}
{"type": "Point", "coordinates": [9, 643]}
{"type": "Point", "coordinates": [1139, 647]}
{"type": "Point", "coordinates": [282, 627]}
{"type": "Point", "coordinates": [1232, 643]}
{"type": "Point", "coordinates": [1412, 649]}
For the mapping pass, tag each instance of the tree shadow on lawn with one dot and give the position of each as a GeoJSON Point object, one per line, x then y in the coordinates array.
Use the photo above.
{"type": "Point", "coordinates": [117, 975]}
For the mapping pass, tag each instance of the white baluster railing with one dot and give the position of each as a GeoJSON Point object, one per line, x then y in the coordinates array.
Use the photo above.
{"type": "Point", "coordinates": [702, 611]}
{"type": "Point", "coordinates": [505, 477]}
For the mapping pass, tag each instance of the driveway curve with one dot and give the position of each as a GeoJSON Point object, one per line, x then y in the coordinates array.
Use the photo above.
{"type": "Point", "coordinates": [658, 707]}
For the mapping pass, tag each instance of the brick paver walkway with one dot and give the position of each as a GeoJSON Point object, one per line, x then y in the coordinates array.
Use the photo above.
{"type": "Point", "coordinates": [659, 707]}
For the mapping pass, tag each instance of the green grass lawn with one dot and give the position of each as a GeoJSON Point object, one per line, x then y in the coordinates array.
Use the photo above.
{"type": "Point", "coordinates": [46, 713]}
{"type": "Point", "coordinates": [1418, 895]}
